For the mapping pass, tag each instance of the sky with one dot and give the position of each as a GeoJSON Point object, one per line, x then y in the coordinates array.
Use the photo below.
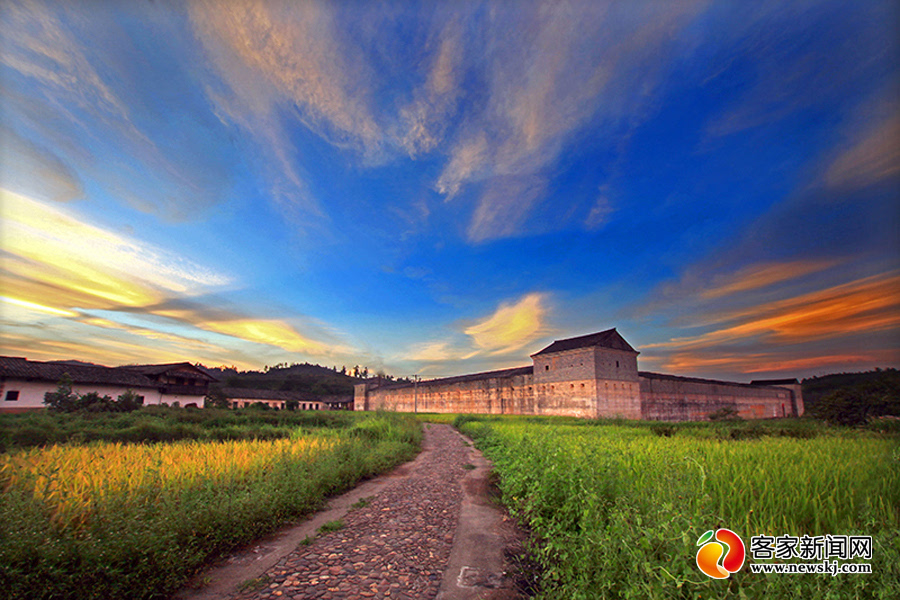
{"type": "Point", "coordinates": [440, 188]}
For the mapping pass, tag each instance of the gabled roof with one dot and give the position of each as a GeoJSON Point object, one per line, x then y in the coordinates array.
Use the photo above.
{"type": "Point", "coordinates": [165, 368]}
{"type": "Point", "coordinates": [514, 372]}
{"type": "Point", "coordinates": [22, 368]}
{"type": "Point", "coordinates": [604, 339]}
{"type": "Point", "coordinates": [775, 382]}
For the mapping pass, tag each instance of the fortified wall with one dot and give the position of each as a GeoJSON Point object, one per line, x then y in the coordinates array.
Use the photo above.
{"type": "Point", "coordinates": [590, 376]}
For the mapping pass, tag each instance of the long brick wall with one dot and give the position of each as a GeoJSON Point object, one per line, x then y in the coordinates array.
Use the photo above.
{"type": "Point", "coordinates": [594, 376]}
{"type": "Point", "coordinates": [509, 391]}
{"type": "Point", "coordinates": [672, 398]}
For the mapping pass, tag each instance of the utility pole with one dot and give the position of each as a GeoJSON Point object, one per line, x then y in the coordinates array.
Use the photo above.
{"type": "Point", "coordinates": [416, 393]}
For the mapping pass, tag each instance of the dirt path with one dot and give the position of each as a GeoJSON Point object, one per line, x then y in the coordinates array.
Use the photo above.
{"type": "Point", "coordinates": [427, 530]}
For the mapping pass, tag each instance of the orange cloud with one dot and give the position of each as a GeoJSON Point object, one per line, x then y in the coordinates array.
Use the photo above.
{"type": "Point", "coordinates": [56, 266]}
{"type": "Point", "coordinates": [874, 157]}
{"type": "Point", "coordinates": [869, 305]}
{"type": "Point", "coordinates": [763, 275]}
{"type": "Point", "coordinates": [767, 362]}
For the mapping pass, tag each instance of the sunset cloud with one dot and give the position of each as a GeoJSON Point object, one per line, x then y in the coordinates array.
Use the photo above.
{"type": "Point", "coordinates": [873, 157]}
{"type": "Point", "coordinates": [48, 248]}
{"type": "Point", "coordinates": [758, 276]}
{"type": "Point", "coordinates": [512, 326]}
{"type": "Point", "coordinates": [752, 363]}
{"type": "Point", "coordinates": [57, 265]}
{"type": "Point", "coordinates": [869, 305]}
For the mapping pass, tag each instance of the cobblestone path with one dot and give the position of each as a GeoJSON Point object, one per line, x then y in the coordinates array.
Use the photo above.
{"type": "Point", "coordinates": [395, 547]}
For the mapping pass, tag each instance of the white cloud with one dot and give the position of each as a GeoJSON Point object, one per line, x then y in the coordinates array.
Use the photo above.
{"type": "Point", "coordinates": [552, 68]}
{"type": "Point", "coordinates": [600, 212]}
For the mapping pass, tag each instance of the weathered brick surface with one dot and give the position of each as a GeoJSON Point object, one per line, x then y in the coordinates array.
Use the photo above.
{"type": "Point", "coordinates": [586, 382]}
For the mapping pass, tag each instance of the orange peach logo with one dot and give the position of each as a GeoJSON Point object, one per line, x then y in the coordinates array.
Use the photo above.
{"type": "Point", "coordinates": [709, 556]}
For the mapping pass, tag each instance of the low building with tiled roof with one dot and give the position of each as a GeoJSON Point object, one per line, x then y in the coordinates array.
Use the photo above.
{"type": "Point", "coordinates": [243, 397]}
{"type": "Point", "coordinates": [23, 382]}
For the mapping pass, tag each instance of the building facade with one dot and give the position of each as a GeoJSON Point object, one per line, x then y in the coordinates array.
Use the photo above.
{"type": "Point", "coordinates": [23, 382]}
{"type": "Point", "coordinates": [591, 376]}
{"type": "Point", "coordinates": [278, 400]}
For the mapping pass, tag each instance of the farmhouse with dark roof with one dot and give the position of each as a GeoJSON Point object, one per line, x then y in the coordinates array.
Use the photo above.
{"type": "Point", "coordinates": [23, 382]}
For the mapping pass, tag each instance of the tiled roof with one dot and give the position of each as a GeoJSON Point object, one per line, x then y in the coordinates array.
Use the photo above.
{"type": "Point", "coordinates": [15, 367]}
{"type": "Point", "coordinates": [464, 378]}
{"type": "Point", "coordinates": [251, 394]}
{"type": "Point", "coordinates": [604, 339]}
{"type": "Point", "coordinates": [648, 375]}
{"type": "Point", "coordinates": [775, 382]}
{"type": "Point", "coordinates": [164, 368]}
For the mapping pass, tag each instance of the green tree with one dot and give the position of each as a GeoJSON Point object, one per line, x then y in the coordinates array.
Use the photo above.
{"type": "Point", "coordinates": [63, 399]}
{"type": "Point", "coordinates": [216, 398]}
{"type": "Point", "coordinates": [129, 401]}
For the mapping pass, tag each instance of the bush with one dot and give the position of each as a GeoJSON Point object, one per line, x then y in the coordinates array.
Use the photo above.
{"type": "Point", "coordinates": [64, 399]}
{"type": "Point", "coordinates": [726, 413]}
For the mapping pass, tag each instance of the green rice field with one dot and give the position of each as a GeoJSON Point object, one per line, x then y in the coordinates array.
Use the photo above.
{"type": "Point", "coordinates": [616, 509]}
{"type": "Point", "coordinates": [104, 519]}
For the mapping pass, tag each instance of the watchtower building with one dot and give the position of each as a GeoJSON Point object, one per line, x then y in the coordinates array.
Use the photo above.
{"type": "Point", "coordinates": [590, 376]}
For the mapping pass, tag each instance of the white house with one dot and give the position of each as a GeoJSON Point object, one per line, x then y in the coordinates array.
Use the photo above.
{"type": "Point", "coordinates": [24, 382]}
{"type": "Point", "coordinates": [241, 398]}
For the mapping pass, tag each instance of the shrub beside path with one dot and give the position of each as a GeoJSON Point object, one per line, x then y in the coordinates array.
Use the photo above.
{"type": "Point", "coordinates": [426, 530]}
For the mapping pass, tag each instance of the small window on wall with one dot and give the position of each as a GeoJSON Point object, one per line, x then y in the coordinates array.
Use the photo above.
{"type": "Point", "coordinates": [546, 367]}
{"type": "Point", "coordinates": [12, 395]}
{"type": "Point", "coordinates": [617, 364]}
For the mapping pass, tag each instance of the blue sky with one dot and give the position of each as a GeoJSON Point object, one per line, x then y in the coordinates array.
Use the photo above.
{"type": "Point", "coordinates": [446, 187]}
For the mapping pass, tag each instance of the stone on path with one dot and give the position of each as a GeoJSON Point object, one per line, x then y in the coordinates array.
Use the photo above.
{"type": "Point", "coordinates": [408, 541]}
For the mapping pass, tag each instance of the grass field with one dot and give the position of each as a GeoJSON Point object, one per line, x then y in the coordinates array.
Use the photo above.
{"type": "Point", "coordinates": [160, 424]}
{"type": "Point", "coordinates": [135, 520]}
{"type": "Point", "coordinates": [617, 508]}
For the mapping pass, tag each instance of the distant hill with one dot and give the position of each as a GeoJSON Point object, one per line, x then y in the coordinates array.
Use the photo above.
{"type": "Point", "coordinates": [307, 378]}
{"type": "Point", "coordinates": [816, 388]}
{"type": "Point", "coordinates": [853, 398]}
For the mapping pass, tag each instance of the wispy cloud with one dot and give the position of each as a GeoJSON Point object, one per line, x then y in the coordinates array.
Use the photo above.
{"type": "Point", "coordinates": [869, 306]}
{"type": "Point", "coordinates": [56, 265]}
{"type": "Point", "coordinates": [26, 167]}
{"type": "Point", "coordinates": [601, 210]}
{"type": "Point", "coordinates": [50, 248]}
{"type": "Point", "coordinates": [773, 361]}
{"type": "Point", "coordinates": [550, 70]}
{"type": "Point", "coordinates": [512, 326]}
{"type": "Point", "coordinates": [502, 334]}
{"type": "Point", "coordinates": [424, 120]}
{"type": "Point", "coordinates": [750, 278]}
{"type": "Point", "coordinates": [873, 157]}
{"type": "Point", "coordinates": [504, 207]}
{"type": "Point", "coordinates": [70, 87]}
{"type": "Point", "coordinates": [292, 51]}
{"type": "Point", "coordinates": [279, 61]}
